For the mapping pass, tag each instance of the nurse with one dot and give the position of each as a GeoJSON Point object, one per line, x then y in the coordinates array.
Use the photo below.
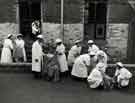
{"type": "Point", "coordinates": [7, 51]}
{"type": "Point", "coordinates": [37, 54]}
{"type": "Point", "coordinates": [60, 51]}
{"type": "Point", "coordinates": [74, 52]}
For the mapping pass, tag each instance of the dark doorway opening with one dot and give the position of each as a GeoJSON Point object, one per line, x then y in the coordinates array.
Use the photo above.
{"type": "Point", "coordinates": [29, 11]}
{"type": "Point", "coordinates": [95, 19]}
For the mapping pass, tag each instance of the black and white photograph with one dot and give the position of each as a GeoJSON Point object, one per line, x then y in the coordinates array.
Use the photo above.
{"type": "Point", "coordinates": [67, 51]}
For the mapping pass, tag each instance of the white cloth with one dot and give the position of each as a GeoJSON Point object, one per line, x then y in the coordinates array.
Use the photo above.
{"type": "Point", "coordinates": [62, 58]}
{"type": "Point", "coordinates": [80, 66]}
{"type": "Point", "coordinates": [95, 78]}
{"type": "Point", "coordinates": [73, 53]}
{"type": "Point", "coordinates": [20, 46]}
{"type": "Point", "coordinates": [37, 55]}
{"type": "Point", "coordinates": [6, 55]}
{"type": "Point", "coordinates": [103, 60]}
{"type": "Point", "coordinates": [93, 48]}
{"type": "Point", "coordinates": [123, 76]}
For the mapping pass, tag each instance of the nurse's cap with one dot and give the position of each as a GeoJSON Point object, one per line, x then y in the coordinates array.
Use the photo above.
{"type": "Point", "coordinates": [90, 41]}
{"type": "Point", "coordinates": [77, 41]}
{"type": "Point", "coordinates": [40, 36]}
{"type": "Point", "coordinates": [119, 64]}
{"type": "Point", "coordinates": [92, 53]}
{"type": "Point", "coordinates": [19, 35]}
{"type": "Point", "coordinates": [9, 35]}
{"type": "Point", "coordinates": [58, 40]}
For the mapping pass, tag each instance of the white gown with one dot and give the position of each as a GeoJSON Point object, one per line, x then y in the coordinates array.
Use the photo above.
{"type": "Point", "coordinates": [123, 75]}
{"type": "Point", "coordinates": [95, 77]}
{"type": "Point", "coordinates": [6, 55]}
{"type": "Point", "coordinates": [79, 67]}
{"type": "Point", "coordinates": [74, 51]}
{"type": "Point", "coordinates": [62, 58]}
{"type": "Point", "coordinates": [37, 55]}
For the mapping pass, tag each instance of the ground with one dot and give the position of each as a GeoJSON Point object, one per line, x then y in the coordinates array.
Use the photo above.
{"type": "Point", "coordinates": [23, 88]}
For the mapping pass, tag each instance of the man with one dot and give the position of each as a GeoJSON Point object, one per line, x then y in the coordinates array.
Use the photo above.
{"type": "Point", "coordinates": [19, 52]}
{"type": "Point", "coordinates": [122, 75]}
{"type": "Point", "coordinates": [60, 51]}
{"type": "Point", "coordinates": [92, 47]}
{"type": "Point", "coordinates": [74, 52]}
{"type": "Point", "coordinates": [37, 55]}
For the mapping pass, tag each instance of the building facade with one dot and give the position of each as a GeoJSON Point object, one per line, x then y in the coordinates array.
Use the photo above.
{"type": "Point", "coordinates": [109, 22]}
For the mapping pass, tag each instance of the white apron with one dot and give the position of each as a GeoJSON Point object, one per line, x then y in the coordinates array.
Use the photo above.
{"type": "Point", "coordinates": [95, 78]}
{"type": "Point", "coordinates": [73, 53]}
{"type": "Point", "coordinates": [79, 67]}
{"type": "Point", "coordinates": [6, 55]}
{"type": "Point", "coordinates": [123, 76]}
{"type": "Point", "coordinates": [36, 56]}
{"type": "Point", "coordinates": [62, 58]}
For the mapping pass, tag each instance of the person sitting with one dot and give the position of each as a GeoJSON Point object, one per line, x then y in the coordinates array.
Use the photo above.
{"type": "Point", "coordinates": [98, 79]}
{"type": "Point", "coordinates": [92, 46]}
{"type": "Point", "coordinates": [74, 52]}
{"type": "Point", "coordinates": [122, 75]}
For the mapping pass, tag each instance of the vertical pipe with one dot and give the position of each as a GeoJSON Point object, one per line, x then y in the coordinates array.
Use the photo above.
{"type": "Point", "coordinates": [62, 17]}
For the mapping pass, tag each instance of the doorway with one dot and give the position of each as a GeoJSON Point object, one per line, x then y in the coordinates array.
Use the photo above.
{"type": "Point", "coordinates": [29, 11]}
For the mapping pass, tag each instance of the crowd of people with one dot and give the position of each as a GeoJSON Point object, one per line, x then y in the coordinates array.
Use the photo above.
{"type": "Point", "coordinates": [52, 63]}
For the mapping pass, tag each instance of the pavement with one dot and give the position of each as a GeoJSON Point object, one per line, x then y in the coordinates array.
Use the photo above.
{"type": "Point", "coordinates": [23, 88]}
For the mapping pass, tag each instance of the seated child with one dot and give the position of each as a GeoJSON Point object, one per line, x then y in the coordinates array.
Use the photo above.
{"type": "Point", "coordinates": [122, 75]}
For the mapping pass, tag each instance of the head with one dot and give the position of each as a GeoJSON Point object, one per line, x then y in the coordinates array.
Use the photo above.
{"type": "Point", "coordinates": [77, 42]}
{"type": "Point", "coordinates": [119, 65]}
{"type": "Point", "coordinates": [40, 38]}
{"type": "Point", "coordinates": [19, 36]}
{"type": "Point", "coordinates": [10, 36]}
{"type": "Point", "coordinates": [58, 41]}
{"type": "Point", "coordinates": [90, 42]}
{"type": "Point", "coordinates": [92, 54]}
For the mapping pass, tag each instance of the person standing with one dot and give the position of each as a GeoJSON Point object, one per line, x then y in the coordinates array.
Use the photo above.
{"type": "Point", "coordinates": [60, 51]}
{"type": "Point", "coordinates": [7, 51]}
{"type": "Point", "coordinates": [19, 52]}
{"type": "Point", "coordinates": [74, 53]}
{"type": "Point", "coordinates": [92, 47]}
{"type": "Point", "coordinates": [37, 55]}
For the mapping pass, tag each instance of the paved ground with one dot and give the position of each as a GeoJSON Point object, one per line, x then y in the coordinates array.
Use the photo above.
{"type": "Point", "coordinates": [22, 88]}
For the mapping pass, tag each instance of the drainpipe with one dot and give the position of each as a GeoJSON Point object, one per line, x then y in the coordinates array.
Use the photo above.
{"type": "Point", "coordinates": [62, 21]}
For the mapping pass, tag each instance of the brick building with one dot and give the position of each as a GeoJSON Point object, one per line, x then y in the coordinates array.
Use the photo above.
{"type": "Point", "coordinates": [109, 22]}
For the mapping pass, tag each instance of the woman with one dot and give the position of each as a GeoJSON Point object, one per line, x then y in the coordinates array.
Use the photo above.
{"type": "Point", "coordinates": [19, 53]}
{"type": "Point", "coordinates": [6, 55]}
{"type": "Point", "coordinates": [81, 66]}
{"type": "Point", "coordinates": [122, 75]}
{"type": "Point", "coordinates": [74, 53]}
{"type": "Point", "coordinates": [60, 50]}
{"type": "Point", "coordinates": [92, 47]}
{"type": "Point", "coordinates": [37, 55]}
